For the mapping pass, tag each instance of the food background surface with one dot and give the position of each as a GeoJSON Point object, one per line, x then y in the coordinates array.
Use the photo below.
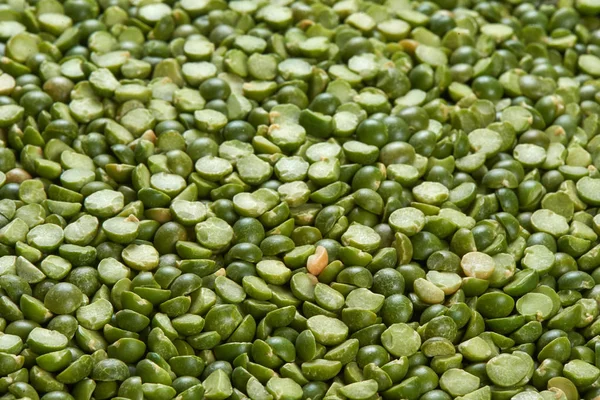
{"type": "Point", "coordinates": [293, 200]}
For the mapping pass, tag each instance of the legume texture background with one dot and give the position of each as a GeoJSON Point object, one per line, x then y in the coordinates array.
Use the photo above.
{"type": "Point", "coordinates": [287, 200]}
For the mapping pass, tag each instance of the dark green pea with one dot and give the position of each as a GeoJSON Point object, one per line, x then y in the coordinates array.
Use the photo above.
{"type": "Point", "coordinates": [487, 87]}
{"type": "Point", "coordinates": [325, 103]}
{"type": "Point", "coordinates": [415, 117]}
{"type": "Point", "coordinates": [372, 354]}
{"type": "Point", "coordinates": [372, 132]}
